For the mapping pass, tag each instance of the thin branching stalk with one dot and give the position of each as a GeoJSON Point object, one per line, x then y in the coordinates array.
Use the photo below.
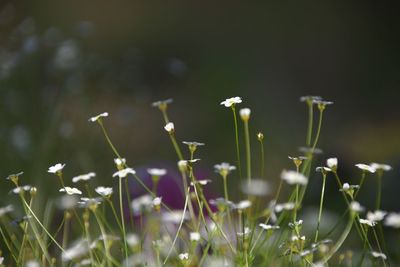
{"type": "Point", "coordinates": [310, 105]}
{"type": "Point", "coordinates": [321, 203]}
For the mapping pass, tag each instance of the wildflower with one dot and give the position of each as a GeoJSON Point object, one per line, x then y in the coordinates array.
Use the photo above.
{"type": "Point", "coordinates": [169, 127]}
{"type": "Point", "coordinates": [308, 150]}
{"type": "Point", "coordinates": [56, 168]}
{"type": "Point", "coordinates": [133, 240]}
{"type": "Point", "coordinates": [292, 177]}
{"type": "Point", "coordinates": [67, 202]}
{"type": "Point", "coordinates": [124, 172]}
{"type": "Point", "coordinates": [260, 136]}
{"type": "Point", "coordinates": [193, 145]}
{"type": "Point", "coordinates": [157, 172]}
{"type": "Point", "coordinates": [246, 232]}
{"type": "Point", "coordinates": [332, 163]}
{"type": "Point", "coordinates": [182, 165]}
{"type": "Point", "coordinates": [201, 182]}
{"type": "Point", "coordinates": [162, 104]}
{"type": "Point", "coordinates": [378, 255]}
{"type": "Point", "coordinates": [70, 190]}
{"type": "Point", "coordinates": [1, 260]}
{"type": "Point", "coordinates": [379, 166]}
{"type": "Point", "coordinates": [14, 177]}
{"type": "Point", "coordinates": [255, 187]}
{"type": "Point", "coordinates": [120, 162]}
{"type": "Point", "coordinates": [32, 263]}
{"type": "Point", "coordinates": [295, 224]}
{"type": "Point", "coordinates": [298, 238]}
{"type": "Point", "coordinates": [222, 204]}
{"type": "Point", "coordinates": [157, 203]}
{"type": "Point", "coordinates": [174, 216]}
{"type": "Point", "coordinates": [393, 220]}
{"type": "Point", "coordinates": [195, 236]}
{"type": "Point", "coordinates": [365, 168]}
{"type": "Point", "coordinates": [90, 203]}
{"type": "Point", "coordinates": [356, 207]}
{"type": "Point", "coordinates": [376, 216]}
{"type": "Point", "coordinates": [224, 168]}
{"type": "Point", "coordinates": [310, 99]}
{"type": "Point", "coordinates": [367, 222]}
{"type": "Point", "coordinates": [244, 204]}
{"type": "Point", "coordinates": [77, 250]}
{"type": "Point", "coordinates": [33, 191]}
{"type": "Point", "coordinates": [231, 101]}
{"type": "Point", "coordinates": [268, 226]}
{"type": "Point", "coordinates": [98, 117]}
{"type": "Point", "coordinates": [104, 191]}
{"type": "Point", "coordinates": [284, 206]}
{"type": "Point", "coordinates": [322, 104]}
{"type": "Point", "coordinates": [5, 210]}
{"type": "Point", "coordinates": [297, 160]}
{"type": "Point", "coordinates": [142, 204]}
{"type": "Point", "coordinates": [184, 256]}
{"type": "Point", "coordinates": [245, 114]}
{"type": "Point", "coordinates": [19, 189]}
{"type": "Point", "coordinates": [83, 177]}
{"type": "Point", "coordinates": [323, 170]}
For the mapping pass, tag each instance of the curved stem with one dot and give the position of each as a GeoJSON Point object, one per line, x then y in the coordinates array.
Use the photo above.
{"type": "Point", "coordinates": [237, 142]}
{"type": "Point", "coordinates": [310, 123]}
{"type": "Point", "coordinates": [321, 203]}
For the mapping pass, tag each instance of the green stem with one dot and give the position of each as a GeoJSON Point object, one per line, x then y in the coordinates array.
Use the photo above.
{"type": "Point", "coordinates": [248, 150]}
{"type": "Point", "coordinates": [361, 184]}
{"type": "Point", "coordinates": [237, 142]}
{"type": "Point", "coordinates": [321, 203]}
{"type": "Point", "coordinates": [122, 217]}
{"type": "Point", "coordinates": [310, 123]}
{"type": "Point", "coordinates": [262, 158]}
{"type": "Point", "coordinates": [176, 146]}
{"type": "Point", "coordinates": [379, 191]}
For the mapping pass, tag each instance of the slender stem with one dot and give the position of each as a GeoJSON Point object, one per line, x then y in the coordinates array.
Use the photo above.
{"type": "Point", "coordinates": [377, 243]}
{"type": "Point", "coordinates": [379, 191]}
{"type": "Point", "coordinates": [296, 203]}
{"type": "Point", "coordinates": [122, 216]}
{"type": "Point", "coordinates": [248, 150]}
{"type": "Point", "coordinates": [65, 231]}
{"type": "Point", "coordinates": [310, 122]}
{"type": "Point", "coordinates": [128, 197]}
{"type": "Point", "coordinates": [108, 139]}
{"type": "Point", "coordinates": [262, 158]}
{"type": "Point", "coordinates": [176, 146]}
{"type": "Point", "coordinates": [115, 214]}
{"type": "Point", "coordinates": [321, 203]}
{"type": "Point", "coordinates": [361, 184]}
{"type": "Point", "coordinates": [237, 142]}
{"type": "Point", "coordinates": [104, 236]}
{"type": "Point", "coordinates": [321, 113]}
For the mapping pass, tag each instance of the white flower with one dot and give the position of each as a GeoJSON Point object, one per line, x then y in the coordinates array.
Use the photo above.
{"type": "Point", "coordinates": [332, 163]}
{"type": "Point", "coordinates": [124, 172]}
{"type": "Point", "coordinates": [245, 114]}
{"type": "Point", "coordinates": [56, 168]}
{"type": "Point", "coordinates": [393, 220]}
{"type": "Point", "coordinates": [246, 232]}
{"type": "Point", "coordinates": [133, 240]}
{"type": "Point", "coordinates": [244, 204]}
{"type": "Point", "coordinates": [231, 101]}
{"type": "Point", "coordinates": [169, 127]}
{"type": "Point", "coordinates": [32, 263]}
{"type": "Point", "coordinates": [157, 172]}
{"type": "Point", "coordinates": [346, 187]}
{"type": "Point", "coordinates": [104, 191]}
{"type": "Point", "coordinates": [297, 238]}
{"type": "Point", "coordinates": [1, 260]}
{"type": "Point", "coordinates": [174, 216]}
{"type": "Point", "coordinates": [78, 249]}
{"type": "Point", "coordinates": [86, 202]}
{"type": "Point", "coordinates": [310, 98]}
{"type": "Point", "coordinates": [284, 206]}
{"type": "Point", "coordinates": [71, 190]}
{"type": "Point", "coordinates": [5, 210]}
{"type": "Point", "coordinates": [141, 204]}
{"type": "Point", "coordinates": [224, 168]}
{"type": "Point", "coordinates": [367, 222]}
{"type": "Point", "coordinates": [19, 189]}
{"type": "Point", "coordinates": [162, 104]}
{"type": "Point", "coordinates": [365, 167]}
{"type": "Point", "coordinates": [67, 202]}
{"type": "Point", "coordinates": [96, 118]}
{"type": "Point", "coordinates": [378, 255]}
{"type": "Point", "coordinates": [379, 166]}
{"type": "Point", "coordinates": [201, 182]}
{"type": "Point", "coordinates": [182, 165]}
{"type": "Point", "coordinates": [120, 162]}
{"type": "Point", "coordinates": [268, 226]}
{"type": "Point", "coordinates": [195, 236]}
{"type": "Point", "coordinates": [323, 170]}
{"type": "Point", "coordinates": [356, 207]}
{"type": "Point", "coordinates": [292, 177]}
{"type": "Point", "coordinates": [376, 216]}
{"type": "Point", "coordinates": [83, 177]}
{"type": "Point", "coordinates": [183, 256]}
{"type": "Point", "coordinates": [157, 201]}
{"type": "Point", "coordinates": [193, 144]}
{"type": "Point", "coordinates": [255, 187]}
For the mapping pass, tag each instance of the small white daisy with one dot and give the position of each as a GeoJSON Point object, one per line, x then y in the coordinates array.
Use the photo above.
{"type": "Point", "coordinates": [393, 220]}
{"type": "Point", "coordinates": [120, 162]}
{"type": "Point", "coordinates": [292, 177]}
{"type": "Point", "coordinates": [332, 163]}
{"type": "Point", "coordinates": [96, 118]}
{"type": "Point", "coordinates": [104, 191]}
{"type": "Point", "coordinates": [170, 127]}
{"type": "Point", "coordinates": [124, 172]}
{"type": "Point", "coordinates": [376, 216]}
{"type": "Point", "coordinates": [367, 222]}
{"type": "Point", "coordinates": [157, 172]}
{"type": "Point", "coordinates": [56, 168]}
{"type": "Point", "coordinates": [71, 190]}
{"type": "Point", "coordinates": [157, 201]}
{"type": "Point", "coordinates": [224, 168]}
{"type": "Point", "coordinates": [231, 101]}
{"type": "Point", "coordinates": [356, 207]}
{"type": "Point", "coordinates": [268, 226]}
{"type": "Point", "coordinates": [284, 206]}
{"type": "Point", "coordinates": [162, 104]}
{"type": "Point", "coordinates": [194, 236]}
{"type": "Point", "coordinates": [244, 204]}
{"type": "Point", "coordinates": [183, 256]}
{"type": "Point", "coordinates": [379, 166]}
{"type": "Point", "coordinates": [365, 167]}
{"type": "Point", "coordinates": [201, 182]}
{"type": "Point", "coordinates": [83, 177]}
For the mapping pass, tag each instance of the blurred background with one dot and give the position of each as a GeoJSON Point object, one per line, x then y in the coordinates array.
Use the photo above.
{"type": "Point", "coordinates": [62, 62]}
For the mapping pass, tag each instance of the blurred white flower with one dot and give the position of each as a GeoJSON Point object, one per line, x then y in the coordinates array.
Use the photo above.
{"type": "Point", "coordinates": [332, 163]}
{"type": "Point", "coordinates": [376, 216]}
{"type": "Point", "coordinates": [195, 236]}
{"type": "Point", "coordinates": [86, 202]}
{"type": "Point", "coordinates": [77, 250]}
{"type": "Point", "coordinates": [347, 187]}
{"type": "Point", "coordinates": [157, 201]}
{"type": "Point", "coordinates": [231, 101]}
{"type": "Point", "coordinates": [120, 162]}
{"type": "Point", "coordinates": [365, 167]}
{"type": "Point", "coordinates": [142, 204]}
{"type": "Point", "coordinates": [284, 206]}
{"type": "Point", "coordinates": [378, 255]}
{"type": "Point", "coordinates": [157, 172]}
{"type": "Point", "coordinates": [170, 127]}
{"type": "Point", "coordinates": [104, 191]}
{"type": "Point", "coordinates": [379, 166]}
{"type": "Point", "coordinates": [56, 168]}
{"type": "Point", "coordinates": [255, 187]}
{"type": "Point", "coordinates": [224, 168]}
{"type": "Point", "coordinates": [356, 207]}
{"type": "Point", "coordinates": [174, 216]}
{"type": "Point", "coordinates": [201, 182]}
{"type": "Point", "coordinates": [96, 118]}
{"type": "Point", "coordinates": [19, 189]}
{"type": "Point", "coordinates": [246, 232]}
{"type": "Point", "coordinates": [83, 177]}
{"type": "Point", "coordinates": [393, 220]}
{"type": "Point", "coordinates": [132, 239]}
{"type": "Point", "coordinates": [183, 256]}
{"type": "Point", "coordinates": [244, 204]}
{"type": "Point", "coordinates": [182, 165]}
{"type": "Point", "coordinates": [310, 98]}
{"type": "Point", "coordinates": [193, 144]}
{"type": "Point", "coordinates": [367, 222]}
{"type": "Point", "coordinates": [245, 114]}
{"type": "Point", "coordinates": [70, 190]}
{"type": "Point", "coordinates": [67, 202]}
{"type": "Point", "coordinates": [323, 170]}
{"type": "Point", "coordinates": [32, 263]}
{"type": "Point", "coordinates": [268, 226]}
{"type": "Point", "coordinates": [162, 104]}
{"type": "Point", "coordinates": [292, 177]}
{"type": "Point", "coordinates": [5, 210]}
{"type": "Point", "coordinates": [124, 172]}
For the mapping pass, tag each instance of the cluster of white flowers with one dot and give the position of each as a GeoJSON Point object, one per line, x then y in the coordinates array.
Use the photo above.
{"type": "Point", "coordinates": [83, 177]}
{"type": "Point", "coordinates": [373, 167]}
